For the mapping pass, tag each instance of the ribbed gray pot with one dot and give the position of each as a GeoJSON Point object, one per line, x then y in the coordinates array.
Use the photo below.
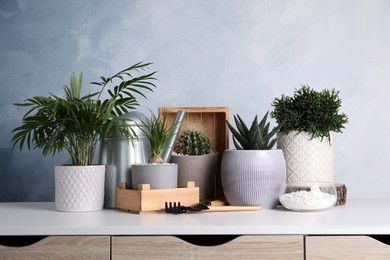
{"type": "Point", "coordinates": [253, 177]}
{"type": "Point", "coordinates": [159, 176]}
{"type": "Point", "coordinates": [198, 168]}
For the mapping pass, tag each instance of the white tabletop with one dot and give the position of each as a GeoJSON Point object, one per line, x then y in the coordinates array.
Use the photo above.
{"type": "Point", "coordinates": [356, 217]}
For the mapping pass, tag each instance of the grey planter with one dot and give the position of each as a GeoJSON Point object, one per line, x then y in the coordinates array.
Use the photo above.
{"type": "Point", "coordinates": [198, 168]}
{"type": "Point", "coordinates": [253, 177]}
{"type": "Point", "coordinates": [159, 176]}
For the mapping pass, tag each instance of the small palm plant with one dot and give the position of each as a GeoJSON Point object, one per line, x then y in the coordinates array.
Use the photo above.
{"type": "Point", "coordinates": [257, 137]}
{"type": "Point", "coordinates": [158, 132]}
{"type": "Point", "coordinates": [76, 123]}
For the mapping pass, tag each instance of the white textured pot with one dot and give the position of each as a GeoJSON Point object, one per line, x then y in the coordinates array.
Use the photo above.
{"type": "Point", "coordinates": [198, 168]}
{"type": "Point", "coordinates": [253, 177]}
{"type": "Point", "coordinates": [79, 188]}
{"type": "Point", "coordinates": [307, 159]}
{"type": "Point", "coordinates": [159, 176]}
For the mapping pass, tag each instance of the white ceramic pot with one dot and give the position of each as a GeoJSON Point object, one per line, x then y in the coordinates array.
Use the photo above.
{"type": "Point", "coordinates": [79, 188]}
{"type": "Point", "coordinates": [198, 168]}
{"type": "Point", "coordinates": [307, 159]}
{"type": "Point", "coordinates": [159, 176]}
{"type": "Point", "coordinates": [253, 177]}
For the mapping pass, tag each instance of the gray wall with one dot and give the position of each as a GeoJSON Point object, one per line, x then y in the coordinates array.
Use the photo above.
{"type": "Point", "coordinates": [240, 54]}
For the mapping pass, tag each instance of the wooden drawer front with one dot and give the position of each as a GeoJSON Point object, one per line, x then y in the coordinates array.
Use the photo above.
{"type": "Point", "coordinates": [345, 247]}
{"type": "Point", "coordinates": [61, 247]}
{"type": "Point", "coordinates": [243, 247]}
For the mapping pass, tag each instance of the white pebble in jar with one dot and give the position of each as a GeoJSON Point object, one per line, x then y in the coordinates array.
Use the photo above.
{"type": "Point", "coordinates": [314, 199]}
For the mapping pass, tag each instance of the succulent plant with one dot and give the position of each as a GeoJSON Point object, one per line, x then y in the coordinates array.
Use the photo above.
{"type": "Point", "coordinates": [258, 137]}
{"type": "Point", "coordinates": [193, 143]}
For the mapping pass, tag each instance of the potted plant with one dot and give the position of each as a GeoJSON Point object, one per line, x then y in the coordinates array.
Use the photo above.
{"type": "Point", "coordinates": [196, 161]}
{"type": "Point", "coordinates": [158, 173]}
{"type": "Point", "coordinates": [253, 173]}
{"type": "Point", "coordinates": [75, 123]}
{"type": "Point", "coordinates": [308, 120]}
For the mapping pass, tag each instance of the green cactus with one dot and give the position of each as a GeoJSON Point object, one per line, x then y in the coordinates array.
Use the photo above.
{"type": "Point", "coordinates": [258, 137]}
{"type": "Point", "coordinates": [193, 143]}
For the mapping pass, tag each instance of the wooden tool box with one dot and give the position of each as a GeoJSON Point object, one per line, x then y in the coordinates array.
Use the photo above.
{"type": "Point", "coordinates": [146, 200]}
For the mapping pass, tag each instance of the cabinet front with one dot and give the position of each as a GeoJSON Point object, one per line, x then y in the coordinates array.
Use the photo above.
{"type": "Point", "coordinates": [346, 247]}
{"type": "Point", "coordinates": [239, 247]}
{"type": "Point", "coordinates": [59, 247]}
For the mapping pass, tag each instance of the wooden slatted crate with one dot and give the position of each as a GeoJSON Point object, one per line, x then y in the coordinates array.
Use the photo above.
{"type": "Point", "coordinates": [213, 120]}
{"type": "Point", "coordinates": [146, 200]}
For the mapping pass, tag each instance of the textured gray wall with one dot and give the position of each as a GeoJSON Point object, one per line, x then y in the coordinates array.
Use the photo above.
{"type": "Point", "coordinates": [240, 54]}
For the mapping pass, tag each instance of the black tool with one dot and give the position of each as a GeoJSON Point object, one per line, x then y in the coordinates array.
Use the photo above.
{"type": "Point", "coordinates": [176, 208]}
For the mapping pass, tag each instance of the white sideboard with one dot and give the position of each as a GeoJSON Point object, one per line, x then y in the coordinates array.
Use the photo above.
{"type": "Point", "coordinates": [341, 232]}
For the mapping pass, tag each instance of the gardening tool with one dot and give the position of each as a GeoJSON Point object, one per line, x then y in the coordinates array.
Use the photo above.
{"type": "Point", "coordinates": [170, 143]}
{"type": "Point", "coordinates": [177, 208]}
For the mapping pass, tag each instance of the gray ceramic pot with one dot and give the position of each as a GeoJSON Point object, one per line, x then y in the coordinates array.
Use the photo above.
{"type": "Point", "coordinates": [253, 177]}
{"type": "Point", "coordinates": [198, 168]}
{"type": "Point", "coordinates": [159, 176]}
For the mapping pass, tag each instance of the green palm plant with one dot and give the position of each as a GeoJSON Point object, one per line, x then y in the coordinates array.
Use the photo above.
{"type": "Point", "coordinates": [257, 137]}
{"type": "Point", "coordinates": [76, 123]}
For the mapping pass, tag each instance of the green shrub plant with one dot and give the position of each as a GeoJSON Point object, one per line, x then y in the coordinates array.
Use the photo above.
{"type": "Point", "coordinates": [314, 112]}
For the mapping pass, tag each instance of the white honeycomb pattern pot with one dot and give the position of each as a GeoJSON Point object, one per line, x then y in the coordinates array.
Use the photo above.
{"type": "Point", "coordinates": [307, 159]}
{"type": "Point", "coordinates": [79, 188]}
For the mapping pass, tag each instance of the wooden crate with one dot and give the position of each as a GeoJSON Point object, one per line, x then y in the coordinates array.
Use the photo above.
{"type": "Point", "coordinates": [146, 200]}
{"type": "Point", "coordinates": [213, 119]}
